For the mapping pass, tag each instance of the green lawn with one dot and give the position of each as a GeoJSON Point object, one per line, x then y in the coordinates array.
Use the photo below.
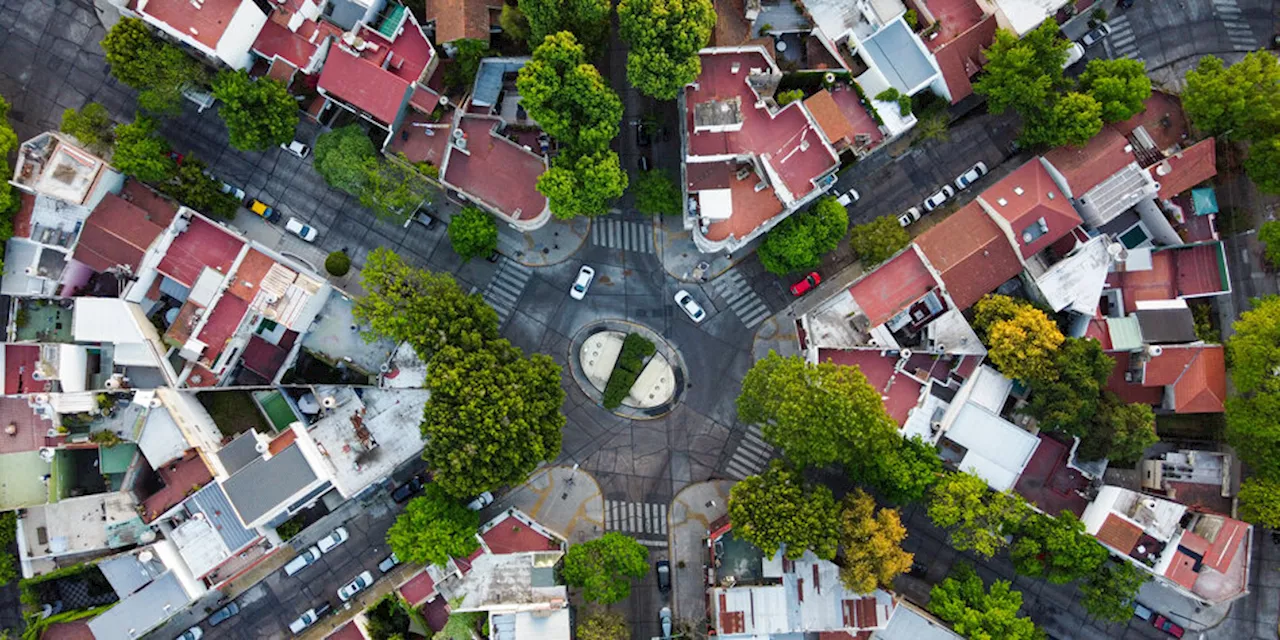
{"type": "Point", "coordinates": [234, 412]}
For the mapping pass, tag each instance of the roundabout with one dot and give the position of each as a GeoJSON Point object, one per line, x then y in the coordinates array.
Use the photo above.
{"type": "Point", "coordinates": [597, 358]}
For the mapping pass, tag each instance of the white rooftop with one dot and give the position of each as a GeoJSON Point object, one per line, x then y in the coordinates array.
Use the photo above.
{"type": "Point", "coordinates": [200, 545]}
{"type": "Point", "coordinates": [161, 439]}
{"type": "Point", "coordinates": [997, 450]}
{"type": "Point", "coordinates": [364, 441]}
{"type": "Point", "coordinates": [1023, 16]}
{"type": "Point", "coordinates": [75, 525]}
{"type": "Point", "coordinates": [1075, 283]}
{"type": "Point", "coordinates": [50, 165]}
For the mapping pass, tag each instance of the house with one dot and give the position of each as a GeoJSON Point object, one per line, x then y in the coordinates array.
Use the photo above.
{"type": "Point", "coordinates": [221, 30]}
{"type": "Point", "coordinates": [1203, 480]}
{"type": "Point", "coordinates": [972, 254]}
{"type": "Point", "coordinates": [957, 32]}
{"type": "Point", "coordinates": [1029, 207]}
{"type": "Point", "coordinates": [363, 437]}
{"type": "Point", "coordinates": [152, 587]}
{"type": "Point", "coordinates": [450, 20]}
{"type": "Point", "coordinates": [1172, 378]}
{"type": "Point", "coordinates": [1022, 16]}
{"type": "Point", "coordinates": [1202, 556]}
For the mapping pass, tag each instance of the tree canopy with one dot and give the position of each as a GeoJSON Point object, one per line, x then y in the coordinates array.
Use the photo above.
{"type": "Point", "coordinates": [878, 240]}
{"type": "Point", "coordinates": [1068, 402]}
{"type": "Point", "coordinates": [664, 37]}
{"type": "Point", "coordinates": [1263, 167]}
{"type": "Point", "coordinates": [1243, 99]}
{"type": "Point", "coordinates": [871, 544]}
{"type": "Point", "coordinates": [1254, 353]}
{"type": "Point", "coordinates": [567, 96]}
{"type": "Point", "coordinates": [977, 517]}
{"type": "Point", "coordinates": [587, 20]}
{"type": "Point", "coordinates": [193, 187]}
{"type": "Point", "coordinates": [1023, 346]}
{"type": "Point", "coordinates": [341, 158]}
{"type": "Point", "coordinates": [1073, 119]}
{"type": "Point", "coordinates": [817, 414]}
{"type": "Point", "coordinates": [259, 113]}
{"type": "Point", "coordinates": [801, 239]}
{"type": "Point", "coordinates": [473, 233]}
{"type": "Point", "coordinates": [1023, 74]}
{"type": "Point", "coordinates": [1056, 549]}
{"type": "Point", "coordinates": [141, 153]}
{"type": "Point", "coordinates": [91, 125]}
{"type": "Point", "coordinates": [583, 185]}
{"type": "Point", "coordinates": [159, 70]}
{"type": "Point", "coordinates": [1119, 432]}
{"type": "Point", "coordinates": [468, 52]}
{"type": "Point", "coordinates": [777, 508]}
{"type": "Point", "coordinates": [602, 624]}
{"type": "Point", "coordinates": [428, 310]}
{"type": "Point", "coordinates": [903, 473]}
{"type": "Point", "coordinates": [433, 528]}
{"type": "Point", "coordinates": [1109, 592]}
{"type": "Point", "coordinates": [1120, 85]}
{"type": "Point", "coordinates": [8, 201]}
{"type": "Point", "coordinates": [657, 193]}
{"type": "Point", "coordinates": [392, 190]}
{"type": "Point", "coordinates": [974, 612]}
{"type": "Point", "coordinates": [604, 568]}
{"type": "Point", "coordinates": [494, 415]}
{"type": "Point", "coordinates": [1260, 501]}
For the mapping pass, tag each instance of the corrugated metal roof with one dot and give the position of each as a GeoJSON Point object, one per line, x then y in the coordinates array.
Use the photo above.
{"type": "Point", "coordinates": [1126, 333]}
{"type": "Point", "coordinates": [213, 503]}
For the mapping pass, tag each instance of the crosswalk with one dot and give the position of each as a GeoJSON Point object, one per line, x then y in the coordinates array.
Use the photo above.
{"type": "Point", "coordinates": [622, 234]}
{"type": "Point", "coordinates": [505, 288]}
{"type": "Point", "coordinates": [1123, 42]}
{"type": "Point", "coordinates": [741, 298]}
{"type": "Point", "coordinates": [644, 521]}
{"type": "Point", "coordinates": [752, 455]}
{"type": "Point", "coordinates": [1238, 30]}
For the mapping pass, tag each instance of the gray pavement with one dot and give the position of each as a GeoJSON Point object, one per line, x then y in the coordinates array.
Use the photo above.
{"type": "Point", "coordinates": [1170, 32]}
{"type": "Point", "coordinates": [692, 512]}
{"type": "Point", "coordinates": [563, 499]}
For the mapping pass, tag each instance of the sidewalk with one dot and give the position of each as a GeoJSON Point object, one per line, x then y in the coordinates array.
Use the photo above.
{"type": "Point", "coordinates": [555, 242]}
{"type": "Point", "coordinates": [779, 332]}
{"type": "Point", "coordinates": [692, 512]}
{"type": "Point", "coordinates": [563, 499]}
{"type": "Point", "coordinates": [681, 258]}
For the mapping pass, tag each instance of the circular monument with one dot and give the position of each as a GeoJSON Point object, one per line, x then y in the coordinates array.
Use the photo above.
{"type": "Point", "coordinates": [646, 383]}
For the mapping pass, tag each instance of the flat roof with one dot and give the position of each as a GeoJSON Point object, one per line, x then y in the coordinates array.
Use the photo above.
{"type": "Point", "coordinates": [263, 485]}
{"type": "Point", "coordinates": [144, 610]}
{"type": "Point", "coordinates": [998, 451]}
{"type": "Point", "coordinates": [895, 51]}
{"type": "Point", "coordinates": [205, 23]}
{"type": "Point", "coordinates": [1050, 483]}
{"type": "Point", "coordinates": [892, 287]}
{"type": "Point", "coordinates": [203, 244]}
{"type": "Point", "coordinates": [496, 171]}
{"type": "Point", "coordinates": [386, 417]}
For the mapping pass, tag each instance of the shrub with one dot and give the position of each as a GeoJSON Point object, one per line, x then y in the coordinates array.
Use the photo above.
{"type": "Point", "coordinates": [106, 438]}
{"type": "Point", "coordinates": [337, 264]}
{"type": "Point", "coordinates": [288, 529]}
{"type": "Point", "coordinates": [631, 359]}
{"type": "Point", "coordinates": [785, 98]}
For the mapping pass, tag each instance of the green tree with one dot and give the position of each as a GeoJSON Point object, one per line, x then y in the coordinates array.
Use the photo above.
{"type": "Point", "coordinates": [587, 20]}
{"type": "Point", "coordinates": [1253, 432]}
{"type": "Point", "coordinates": [388, 618]}
{"type": "Point", "coordinates": [8, 201]}
{"type": "Point", "coordinates": [1023, 346]}
{"type": "Point", "coordinates": [567, 96]}
{"type": "Point", "coordinates": [992, 308]}
{"type": "Point", "coordinates": [461, 72]}
{"type": "Point", "coordinates": [141, 153]}
{"type": "Point", "coordinates": [1056, 549]}
{"type": "Point", "coordinates": [91, 125]}
{"type": "Point", "coordinates": [1269, 235]}
{"type": "Point", "coordinates": [975, 612]}
{"type": "Point", "coordinates": [473, 233]}
{"type": "Point", "coordinates": [801, 239]}
{"type": "Point", "coordinates": [817, 414]}
{"type": "Point", "coordinates": [428, 310]}
{"type": "Point", "coordinates": [871, 543]}
{"type": "Point", "coordinates": [1109, 592]}
{"type": "Point", "coordinates": [977, 517]}
{"type": "Point", "coordinates": [337, 263]}
{"type": "Point", "coordinates": [1263, 167]}
{"type": "Point", "coordinates": [1119, 432]}
{"type": "Point", "coordinates": [1254, 349]}
{"type": "Point", "coordinates": [392, 190]}
{"type": "Point", "coordinates": [1242, 100]}
{"type": "Point", "coordinates": [342, 156]}
{"type": "Point", "coordinates": [604, 568]}
{"type": "Point", "coordinates": [583, 185]}
{"type": "Point", "coordinates": [777, 509]}
{"type": "Point", "coordinates": [1023, 74]}
{"type": "Point", "coordinates": [1069, 402]}
{"type": "Point", "coordinates": [159, 70]}
{"type": "Point", "coordinates": [494, 415]}
{"type": "Point", "coordinates": [657, 193]}
{"type": "Point", "coordinates": [433, 528]}
{"type": "Point", "coordinates": [1120, 85]}
{"type": "Point", "coordinates": [514, 25]}
{"type": "Point", "coordinates": [878, 240]}
{"type": "Point", "coordinates": [1260, 501]}
{"type": "Point", "coordinates": [602, 624]}
{"type": "Point", "coordinates": [902, 473]}
{"type": "Point", "coordinates": [664, 38]}
{"type": "Point", "coordinates": [259, 113]}
{"type": "Point", "coordinates": [461, 626]}
{"type": "Point", "coordinates": [1073, 120]}
{"type": "Point", "coordinates": [191, 186]}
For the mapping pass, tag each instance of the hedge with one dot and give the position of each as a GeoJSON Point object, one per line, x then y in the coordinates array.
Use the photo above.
{"type": "Point", "coordinates": [631, 359]}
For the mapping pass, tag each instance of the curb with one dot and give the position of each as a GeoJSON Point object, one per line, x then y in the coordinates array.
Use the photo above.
{"type": "Point", "coordinates": [669, 352]}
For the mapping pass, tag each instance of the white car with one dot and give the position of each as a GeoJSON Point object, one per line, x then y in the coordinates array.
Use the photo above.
{"type": "Point", "coordinates": [194, 633]}
{"type": "Point", "coordinates": [1096, 36]}
{"type": "Point", "coordinates": [971, 176]}
{"type": "Point", "coordinates": [582, 283]}
{"type": "Point", "coordinates": [298, 149]}
{"type": "Point", "coordinates": [483, 500]}
{"type": "Point", "coordinates": [1074, 53]}
{"type": "Point", "coordinates": [848, 198]}
{"type": "Point", "coordinates": [938, 198]}
{"type": "Point", "coordinates": [910, 215]}
{"type": "Point", "coordinates": [350, 589]}
{"type": "Point", "coordinates": [690, 306]}
{"type": "Point", "coordinates": [303, 231]}
{"type": "Point", "coordinates": [332, 540]}
{"type": "Point", "coordinates": [302, 561]}
{"type": "Point", "coordinates": [305, 620]}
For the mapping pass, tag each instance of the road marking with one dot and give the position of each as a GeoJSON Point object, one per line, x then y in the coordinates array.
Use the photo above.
{"type": "Point", "coordinates": [505, 288]}
{"type": "Point", "coordinates": [637, 519]}
{"type": "Point", "coordinates": [1238, 30]}
{"type": "Point", "coordinates": [622, 234]}
{"type": "Point", "coordinates": [752, 454]}
{"type": "Point", "coordinates": [1123, 42]}
{"type": "Point", "coordinates": [741, 298]}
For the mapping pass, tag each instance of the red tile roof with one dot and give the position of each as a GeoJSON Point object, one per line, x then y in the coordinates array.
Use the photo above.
{"type": "Point", "coordinates": [1027, 196]}
{"type": "Point", "coordinates": [957, 17]}
{"type": "Point", "coordinates": [751, 209]}
{"type": "Point", "coordinates": [513, 536]}
{"type": "Point", "coordinates": [457, 19]}
{"type": "Point", "coordinates": [348, 631]}
{"type": "Point", "coordinates": [1182, 570]}
{"type": "Point", "coordinates": [1176, 272]}
{"type": "Point", "coordinates": [960, 59]}
{"type": "Point", "coordinates": [497, 171]}
{"type": "Point", "coordinates": [1222, 551]}
{"type": "Point", "coordinates": [277, 40]}
{"type": "Point", "coordinates": [892, 287]}
{"type": "Point", "coordinates": [204, 23]}
{"type": "Point", "coordinates": [1203, 385]}
{"type": "Point", "coordinates": [253, 268]}
{"type": "Point", "coordinates": [363, 85]}
{"type": "Point", "coordinates": [19, 369]}
{"type": "Point", "coordinates": [1198, 375]}
{"type": "Point", "coordinates": [1185, 169]}
{"type": "Point", "coordinates": [160, 209]}
{"type": "Point", "coordinates": [203, 244]}
{"type": "Point", "coordinates": [118, 232]}
{"type": "Point", "coordinates": [418, 589]}
{"type": "Point", "coordinates": [1085, 167]}
{"type": "Point", "coordinates": [972, 254]}
{"type": "Point", "coordinates": [221, 325]}
{"type": "Point", "coordinates": [30, 432]}
{"type": "Point", "coordinates": [282, 442]}
{"type": "Point", "coordinates": [829, 116]}
{"type": "Point", "coordinates": [178, 477]}
{"type": "Point", "coordinates": [424, 99]}
{"type": "Point", "coordinates": [900, 393]}
{"type": "Point", "coordinates": [859, 118]}
{"type": "Point", "coordinates": [1118, 533]}
{"type": "Point", "coordinates": [1163, 119]}
{"type": "Point", "coordinates": [1169, 366]}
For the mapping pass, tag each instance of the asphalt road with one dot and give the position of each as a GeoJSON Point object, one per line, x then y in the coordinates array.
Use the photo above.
{"type": "Point", "coordinates": [1166, 32]}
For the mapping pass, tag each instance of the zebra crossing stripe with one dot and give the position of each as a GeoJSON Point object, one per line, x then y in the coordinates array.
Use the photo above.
{"type": "Point", "coordinates": [636, 518]}
{"type": "Point", "coordinates": [506, 287]}
{"type": "Point", "coordinates": [622, 234]}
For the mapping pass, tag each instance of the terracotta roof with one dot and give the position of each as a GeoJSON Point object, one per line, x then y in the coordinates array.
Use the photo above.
{"type": "Point", "coordinates": [1168, 367]}
{"type": "Point", "coordinates": [1027, 197]}
{"type": "Point", "coordinates": [962, 58]}
{"type": "Point", "coordinates": [1185, 169]}
{"type": "Point", "coordinates": [1182, 570]}
{"type": "Point", "coordinates": [506, 539]}
{"type": "Point", "coordinates": [160, 209]}
{"type": "Point", "coordinates": [249, 274]}
{"type": "Point", "coordinates": [203, 244]}
{"type": "Point", "coordinates": [1203, 386]}
{"type": "Point", "coordinates": [1085, 167]}
{"type": "Point", "coordinates": [204, 23]}
{"type": "Point", "coordinates": [348, 631]}
{"type": "Point", "coordinates": [364, 85]}
{"type": "Point", "coordinates": [457, 19]}
{"type": "Point", "coordinates": [1118, 533]}
{"type": "Point", "coordinates": [892, 287]}
{"type": "Point", "coordinates": [117, 232]}
{"type": "Point", "coordinates": [1226, 544]}
{"type": "Point", "coordinates": [418, 589]}
{"type": "Point", "coordinates": [276, 40]}
{"type": "Point", "coordinates": [972, 254]}
{"type": "Point", "coordinates": [828, 116]}
{"type": "Point", "coordinates": [899, 392]}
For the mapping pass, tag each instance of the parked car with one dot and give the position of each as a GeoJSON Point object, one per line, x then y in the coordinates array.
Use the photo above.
{"type": "Point", "coordinates": [388, 563]}
{"type": "Point", "coordinates": [308, 618]}
{"type": "Point", "coordinates": [664, 617]}
{"type": "Point", "coordinates": [261, 208]}
{"type": "Point", "coordinates": [690, 306]}
{"type": "Point", "coordinates": [335, 538]}
{"type": "Point", "coordinates": [483, 500]}
{"type": "Point", "coordinates": [303, 231]}
{"type": "Point", "coordinates": [298, 149]}
{"type": "Point", "coordinates": [848, 198]}
{"type": "Point", "coordinates": [493, 257]}
{"type": "Point", "coordinates": [810, 281]}
{"type": "Point", "coordinates": [222, 615]}
{"type": "Point", "coordinates": [1168, 626]}
{"type": "Point", "coordinates": [1075, 53]}
{"type": "Point", "coordinates": [1140, 610]}
{"type": "Point", "coordinates": [350, 589]}
{"type": "Point", "coordinates": [1096, 36]}
{"type": "Point", "coordinates": [232, 190]}
{"type": "Point", "coordinates": [194, 633]}
{"type": "Point", "coordinates": [407, 490]}
{"type": "Point", "coordinates": [663, 569]}
{"type": "Point", "coordinates": [934, 201]}
{"type": "Point", "coordinates": [422, 217]}
{"type": "Point", "coordinates": [971, 176]}
{"type": "Point", "coordinates": [910, 215]}
{"type": "Point", "coordinates": [582, 282]}
{"type": "Point", "coordinates": [302, 560]}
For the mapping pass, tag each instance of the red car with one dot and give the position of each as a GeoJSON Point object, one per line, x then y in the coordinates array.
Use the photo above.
{"type": "Point", "coordinates": [810, 281]}
{"type": "Point", "coordinates": [1168, 626]}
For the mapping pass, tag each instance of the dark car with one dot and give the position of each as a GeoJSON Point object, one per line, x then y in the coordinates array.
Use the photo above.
{"type": "Point", "coordinates": [407, 490]}
{"type": "Point", "coordinates": [663, 569]}
{"type": "Point", "coordinates": [810, 281]}
{"type": "Point", "coordinates": [222, 615]}
{"type": "Point", "coordinates": [1168, 626]}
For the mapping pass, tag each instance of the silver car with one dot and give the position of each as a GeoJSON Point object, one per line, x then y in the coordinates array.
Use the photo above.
{"type": "Point", "coordinates": [335, 538]}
